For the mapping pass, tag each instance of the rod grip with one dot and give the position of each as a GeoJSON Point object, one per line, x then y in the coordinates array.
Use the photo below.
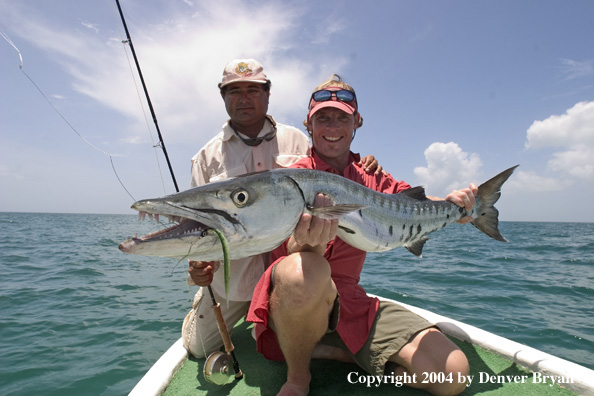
{"type": "Point", "coordinates": [223, 328]}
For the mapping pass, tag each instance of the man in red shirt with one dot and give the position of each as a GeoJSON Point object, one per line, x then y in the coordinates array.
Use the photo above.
{"type": "Point", "coordinates": [250, 141]}
{"type": "Point", "coordinates": [309, 304]}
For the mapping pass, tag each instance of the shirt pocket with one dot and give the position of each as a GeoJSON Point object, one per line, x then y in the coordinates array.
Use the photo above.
{"type": "Point", "coordinates": [286, 160]}
{"type": "Point", "coordinates": [230, 172]}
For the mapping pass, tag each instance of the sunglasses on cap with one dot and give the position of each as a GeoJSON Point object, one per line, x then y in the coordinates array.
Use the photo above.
{"type": "Point", "coordinates": [343, 95]}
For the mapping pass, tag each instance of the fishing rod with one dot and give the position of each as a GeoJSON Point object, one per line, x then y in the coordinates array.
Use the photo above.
{"type": "Point", "coordinates": [148, 98]}
{"type": "Point", "coordinates": [216, 366]}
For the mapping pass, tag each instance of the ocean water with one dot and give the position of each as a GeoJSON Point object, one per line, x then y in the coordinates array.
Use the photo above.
{"type": "Point", "coordinates": [78, 317]}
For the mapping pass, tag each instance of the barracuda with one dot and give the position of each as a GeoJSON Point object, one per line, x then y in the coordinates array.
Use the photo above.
{"type": "Point", "coordinates": [257, 212]}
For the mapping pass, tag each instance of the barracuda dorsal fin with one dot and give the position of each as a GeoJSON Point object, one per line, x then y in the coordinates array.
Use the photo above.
{"type": "Point", "coordinates": [416, 193]}
{"type": "Point", "coordinates": [416, 247]}
{"type": "Point", "coordinates": [334, 212]}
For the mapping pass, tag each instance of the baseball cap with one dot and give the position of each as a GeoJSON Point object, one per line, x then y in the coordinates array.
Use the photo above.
{"type": "Point", "coordinates": [243, 70]}
{"type": "Point", "coordinates": [349, 107]}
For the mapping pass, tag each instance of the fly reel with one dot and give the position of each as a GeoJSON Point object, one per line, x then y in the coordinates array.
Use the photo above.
{"type": "Point", "coordinates": [218, 368]}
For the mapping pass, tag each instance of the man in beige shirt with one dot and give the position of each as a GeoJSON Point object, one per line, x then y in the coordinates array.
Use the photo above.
{"type": "Point", "coordinates": [250, 141]}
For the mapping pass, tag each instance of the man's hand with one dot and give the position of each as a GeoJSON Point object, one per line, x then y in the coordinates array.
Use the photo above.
{"type": "Point", "coordinates": [370, 165]}
{"type": "Point", "coordinates": [465, 198]}
{"type": "Point", "coordinates": [313, 233]}
{"type": "Point", "coordinates": [202, 272]}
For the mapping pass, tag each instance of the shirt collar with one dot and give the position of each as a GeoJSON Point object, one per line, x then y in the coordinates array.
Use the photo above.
{"type": "Point", "coordinates": [320, 164]}
{"type": "Point", "coordinates": [228, 132]}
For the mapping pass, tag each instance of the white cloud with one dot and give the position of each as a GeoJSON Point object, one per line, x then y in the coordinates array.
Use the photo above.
{"type": "Point", "coordinates": [531, 181]}
{"type": "Point", "coordinates": [333, 24]}
{"type": "Point", "coordinates": [576, 69]}
{"type": "Point", "coordinates": [572, 134]}
{"type": "Point", "coordinates": [574, 127]}
{"type": "Point", "coordinates": [10, 173]}
{"type": "Point", "coordinates": [91, 26]}
{"type": "Point", "coordinates": [578, 162]}
{"type": "Point", "coordinates": [182, 60]}
{"type": "Point", "coordinates": [448, 168]}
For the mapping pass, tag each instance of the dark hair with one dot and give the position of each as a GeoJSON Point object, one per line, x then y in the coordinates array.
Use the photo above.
{"type": "Point", "coordinates": [266, 87]}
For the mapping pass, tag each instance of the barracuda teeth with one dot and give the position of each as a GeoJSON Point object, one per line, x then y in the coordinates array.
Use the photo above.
{"type": "Point", "coordinates": [157, 218]}
{"type": "Point", "coordinates": [141, 216]}
{"type": "Point", "coordinates": [174, 219]}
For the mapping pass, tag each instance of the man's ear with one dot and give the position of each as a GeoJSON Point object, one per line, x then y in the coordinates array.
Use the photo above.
{"type": "Point", "coordinates": [307, 124]}
{"type": "Point", "coordinates": [358, 120]}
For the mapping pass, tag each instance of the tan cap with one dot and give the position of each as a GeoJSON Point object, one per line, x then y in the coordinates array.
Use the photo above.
{"type": "Point", "coordinates": [249, 70]}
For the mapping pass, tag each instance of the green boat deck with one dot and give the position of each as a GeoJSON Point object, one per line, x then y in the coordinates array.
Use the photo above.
{"type": "Point", "coordinates": [264, 377]}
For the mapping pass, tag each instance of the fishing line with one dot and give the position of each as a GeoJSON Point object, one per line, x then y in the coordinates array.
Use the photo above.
{"type": "Point", "coordinates": [5, 36]}
{"type": "Point", "coordinates": [146, 94]}
{"type": "Point", "coordinates": [155, 145]}
{"type": "Point", "coordinates": [216, 307]}
{"type": "Point", "coordinates": [128, 41]}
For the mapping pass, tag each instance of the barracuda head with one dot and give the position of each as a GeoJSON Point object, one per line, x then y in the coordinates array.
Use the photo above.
{"type": "Point", "coordinates": [255, 213]}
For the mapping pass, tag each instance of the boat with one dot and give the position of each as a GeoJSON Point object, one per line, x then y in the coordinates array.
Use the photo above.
{"type": "Point", "coordinates": [499, 366]}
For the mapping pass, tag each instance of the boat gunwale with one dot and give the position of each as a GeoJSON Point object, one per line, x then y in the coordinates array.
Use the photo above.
{"type": "Point", "coordinates": [522, 355]}
{"type": "Point", "coordinates": [158, 377]}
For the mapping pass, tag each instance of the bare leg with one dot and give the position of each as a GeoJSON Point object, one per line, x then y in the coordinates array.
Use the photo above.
{"type": "Point", "coordinates": [322, 351]}
{"type": "Point", "coordinates": [432, 352]}
{"type": "Point", "coordinates": [300, 303]}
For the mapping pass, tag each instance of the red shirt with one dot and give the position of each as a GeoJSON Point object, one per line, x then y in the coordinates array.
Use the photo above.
{"type": "Point", "coordinates": [357, 310]}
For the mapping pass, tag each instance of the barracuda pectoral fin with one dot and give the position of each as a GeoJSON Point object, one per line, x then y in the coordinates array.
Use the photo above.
{"type": "Point", "coordinates": [416, 247]}
{"type": "Point", "coordinates": [334, 212]}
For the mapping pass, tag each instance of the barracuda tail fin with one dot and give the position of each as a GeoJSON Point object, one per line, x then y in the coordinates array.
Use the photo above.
{"type": "Point", "coordinates": [488, 193]}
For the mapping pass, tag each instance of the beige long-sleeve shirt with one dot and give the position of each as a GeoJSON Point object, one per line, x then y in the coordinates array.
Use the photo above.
{"type": "Point", "coordinates": [225, 156]}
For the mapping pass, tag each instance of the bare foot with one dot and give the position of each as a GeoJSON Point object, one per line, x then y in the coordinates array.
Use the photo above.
{"type": "Point", "coordinates": [290, 389]}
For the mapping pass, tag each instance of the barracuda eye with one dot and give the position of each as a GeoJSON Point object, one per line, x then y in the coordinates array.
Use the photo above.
{"type": "Point", "coordinates": [240, 198]}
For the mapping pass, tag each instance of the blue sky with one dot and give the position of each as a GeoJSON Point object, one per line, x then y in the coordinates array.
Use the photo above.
{"type": "Point", "coordinates": [451, 92]}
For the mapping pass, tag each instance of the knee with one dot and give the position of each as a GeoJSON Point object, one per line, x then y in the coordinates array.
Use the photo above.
{"type": "Point", "coordinates": [457, 366]}
{"type": "Point", "coordinates": [302, 278]}
{"type": "Point", "coordinates": [302, 270]}
{"type": "Point", "coordinates": [438, 354]}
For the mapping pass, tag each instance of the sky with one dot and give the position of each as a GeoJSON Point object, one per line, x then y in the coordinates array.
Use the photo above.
{"type": "Point", "coordinates": [451, 92]}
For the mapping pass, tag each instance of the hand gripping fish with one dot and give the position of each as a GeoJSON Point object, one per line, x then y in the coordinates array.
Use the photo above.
{"type": "Point", "coordinates": [259, 211]}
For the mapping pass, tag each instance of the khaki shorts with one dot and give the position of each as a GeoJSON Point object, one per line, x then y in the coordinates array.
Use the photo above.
{"type": "Point", "coordinates": [393, 328]}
